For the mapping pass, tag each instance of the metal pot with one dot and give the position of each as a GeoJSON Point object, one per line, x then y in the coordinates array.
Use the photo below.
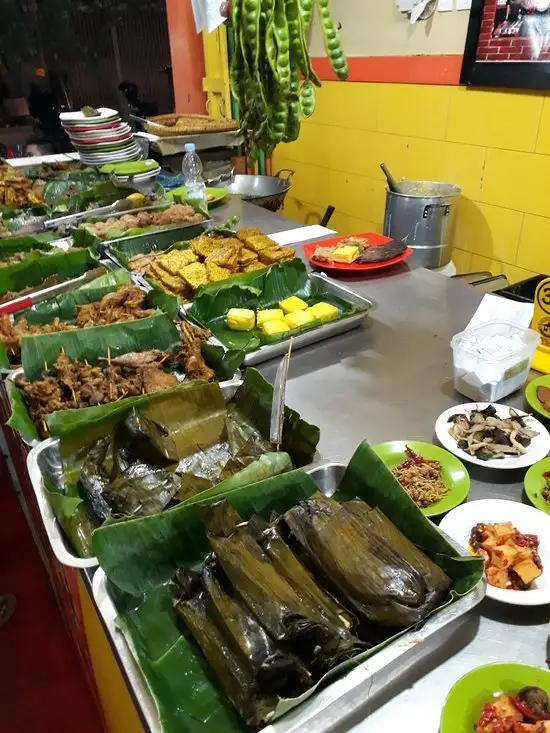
{"type": "Point", "coordinates": [266, 191]}
{"type": "Point", "coordinates": [422, 214]}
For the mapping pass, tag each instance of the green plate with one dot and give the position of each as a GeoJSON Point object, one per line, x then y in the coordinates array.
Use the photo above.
{"type": "Point", "coordinates": [465, 701]}
{"type": "Point", "coordinates": [534, 484]}
{"type": "Point", "coordinates": [217, 194]}
{"type": "Point", "coordinates": [531, 394]}
{"type": "Point", "coordinates": [454, 473]}
{"type": "Point", "coordinates": [133, 168]}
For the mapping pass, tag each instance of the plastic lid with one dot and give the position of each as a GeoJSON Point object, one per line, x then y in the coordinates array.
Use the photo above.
{"type": "Point", "coordinates": [189, 147]}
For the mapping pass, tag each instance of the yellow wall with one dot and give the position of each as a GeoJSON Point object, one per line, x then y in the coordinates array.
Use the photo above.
{"type": "Point", "coordinates": [494, 144]}
{"type": "Point", "coordinates": [375, 28]}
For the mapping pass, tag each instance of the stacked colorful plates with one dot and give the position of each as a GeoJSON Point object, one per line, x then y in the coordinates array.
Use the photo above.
{"type": "Point", "coordinates": [136, 171]}
{"type": "Point", "coordinates": [102, 138]}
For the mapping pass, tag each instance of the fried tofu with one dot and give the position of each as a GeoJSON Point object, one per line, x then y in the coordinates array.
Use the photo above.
{"type": "Point", "coordinates": [272, 255]}
{"type": "Point", "coordinates": [173, 261]}
{"type": "Point", "coordinates": [204, 245]}
{"type": "Point", "coordinates": [247, 256]}
{"type": "Point", "coordinates": [194, 275]}
{"type": "Point", "coordinates": [226, 255]}
{"type": "Point", "coordinates": [215, 273]}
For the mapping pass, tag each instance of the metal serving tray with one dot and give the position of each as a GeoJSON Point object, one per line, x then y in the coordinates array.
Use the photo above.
{"type": "Point", "coordinates": [44, 461]}
{"type": "Point", "coordinates": [272, 351]}
{"type": "Point", "coordinates": [160, 239]}
{"type": "Point", "coordinates": [328, 709]}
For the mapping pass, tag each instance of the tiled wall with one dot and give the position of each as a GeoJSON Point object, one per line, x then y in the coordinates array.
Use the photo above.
{"type": "Point", "coordinates": [494, 144]}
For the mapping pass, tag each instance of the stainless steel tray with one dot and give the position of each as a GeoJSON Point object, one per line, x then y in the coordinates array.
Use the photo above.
{"type": "Point", "coordinates": [103, 262]}
{"type": "Point", "coordinates": [327, 710]}
{"type": "Point", "coordinates": [160, 239]}
{"type": "Point", "coordinates": [272, 351]}
{"type": "Point", "coordinates": [44, 461]}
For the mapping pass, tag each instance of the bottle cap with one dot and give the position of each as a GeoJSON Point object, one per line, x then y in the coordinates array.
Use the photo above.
{"type": "Point", "coordinates": [189, 147]}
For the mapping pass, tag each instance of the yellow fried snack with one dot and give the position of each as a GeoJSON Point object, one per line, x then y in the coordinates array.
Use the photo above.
{"type": "Point", "coordinates": [173, 261]}
{"type": "Point", "coordinates": [215, 273]}
{"type": "Point", "coordinates": [259, 242]}
{"type": "Point", "coordinates": [225, 256]}
{"type": "Point", "coordinates": [194, 275]}
{"type": "Point", "coordinates": [246, 257]}
{"type": "Point", "coordinates": [271, 255]}
{"type": "Point", "coordinates": [244, 234]}
{"type": "Point", "coordinates": [174, 283]}
{"type": "Point", "coordinates": [203, 245]}
{"type": "Point", "coordinates": [254, 266]}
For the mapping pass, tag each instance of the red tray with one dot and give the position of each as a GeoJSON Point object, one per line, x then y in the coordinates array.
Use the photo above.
{"type": "Point", "coordinates": [372, 237]}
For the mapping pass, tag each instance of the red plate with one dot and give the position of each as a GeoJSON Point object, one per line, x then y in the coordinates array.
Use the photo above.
{"type": "Point", "coordinates": [373, 238]}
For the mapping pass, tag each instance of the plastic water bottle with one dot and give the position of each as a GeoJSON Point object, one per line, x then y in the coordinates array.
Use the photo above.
{"type": "Point", "coordinates": [191, 168]}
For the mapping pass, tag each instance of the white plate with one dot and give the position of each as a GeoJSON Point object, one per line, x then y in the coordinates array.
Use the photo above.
{"type": "Point", "coordinates": [120, 157]}
{"type": "Point", "coordinates": [539, 448]}
{"type": "Point", "coordinates": [105, 115]}
{"type": "Point", "coordinates": [459, 522]}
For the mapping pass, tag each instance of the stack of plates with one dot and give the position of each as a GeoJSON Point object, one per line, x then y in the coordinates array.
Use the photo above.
{"type": "Point", "coordinates": [138, 171]}
{"type": "Point", "coordinates": [103, 138]}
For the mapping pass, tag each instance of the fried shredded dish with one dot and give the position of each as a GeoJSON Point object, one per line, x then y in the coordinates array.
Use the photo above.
{"type": "Point", "coordinates": [123, 304]}
{"type": "Point", "coordinates": [486, 436]}
{"type": "Point", "coordinates": [421, 479]}
{"type": "Point", "coordinates": [73, 384]}
{"type": "Point", "coordinates": [17, 191]}
{"type": "Point", "coordinates": [210, 258]}
{"type": "Point", "coordinates": [174, 215]}
{"type": "Point", "coordinates": [526, 712]}
{"type": "Point", "coordinates": [512, 559]}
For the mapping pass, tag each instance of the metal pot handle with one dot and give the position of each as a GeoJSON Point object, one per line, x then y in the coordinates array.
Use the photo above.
{"type": "Point", "coordinates": [285, 170]}
{"type": "Point", "coordinates": [427, 208]}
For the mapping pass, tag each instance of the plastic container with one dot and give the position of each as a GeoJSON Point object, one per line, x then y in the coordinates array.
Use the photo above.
{"type": "Point", "coordinates": [487, 374]}
{"type": "Point", "coordinates": [191, 169]}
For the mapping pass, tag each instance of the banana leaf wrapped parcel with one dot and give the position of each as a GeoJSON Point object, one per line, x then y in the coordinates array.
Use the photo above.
{"type": "Point", "coordinates": [295, 588]}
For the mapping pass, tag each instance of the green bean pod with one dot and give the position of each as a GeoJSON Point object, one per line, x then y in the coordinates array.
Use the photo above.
{"type": "Point", "coordinates": [332, 41]}
{"type": "Point", "coordinates": [306, 11]}
{"type": "Point", "coordinates": [292, 130]}
{"type": "Point", "coordinates": [280, 32]}
{"type": "Point", "coordinates": [307, 99]}
{"type": "Point", "coordinates": [237, 68]}
{"type": "Point", "coordinates": [298, 47]}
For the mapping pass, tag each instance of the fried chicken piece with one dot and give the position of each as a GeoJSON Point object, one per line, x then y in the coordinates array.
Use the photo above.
{"type": "Point", "coordinates": [123, 304]}
{"type": "Point", "coordinates": [155, 379]}
{"type": "Point", "coordinates": [190, 355]}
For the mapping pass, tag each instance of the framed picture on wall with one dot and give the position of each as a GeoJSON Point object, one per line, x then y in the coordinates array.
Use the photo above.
{"type": "Point", "coordinates": [508, 44]}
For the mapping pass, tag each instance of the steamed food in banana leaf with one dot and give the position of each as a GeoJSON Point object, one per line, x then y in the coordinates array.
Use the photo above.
{"type": "Point", "coordinates": [258, 599]}
{"type": "Point", "coordinates": [173, 447]}
{"type": "Point", "coordinates": [376, 571]}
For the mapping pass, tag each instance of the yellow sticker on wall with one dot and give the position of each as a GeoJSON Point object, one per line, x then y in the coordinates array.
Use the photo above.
{"type": "Point", "coordinates": [541, 324]}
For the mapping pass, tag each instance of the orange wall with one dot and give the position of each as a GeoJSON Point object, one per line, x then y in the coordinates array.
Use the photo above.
{"type": "Point", "coordinates": [186, 50]}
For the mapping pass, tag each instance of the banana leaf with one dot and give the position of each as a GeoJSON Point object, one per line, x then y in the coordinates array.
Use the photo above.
{"type": "Point", "coordinates": [19, 419]}
{"type": "Point", "coordinates": [64, 306]}
{"type": "Point", "coordinates": [36, 267]}
{"type": "Point", "coordinates": [91, 344]}
{"type": "Point", "coordinates": [76, 522]}
{"type": "Point", "coordinates": [212, 303]}
{"type": "Point", "coordinates": [27, 243]}
{"type": "Point", "coordinates": [140, 556]}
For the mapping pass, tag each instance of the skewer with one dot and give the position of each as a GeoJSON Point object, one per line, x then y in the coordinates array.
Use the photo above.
{"type": "Point", "coordinates": [44, 426]}
{"type": "Point", "coordinates": [108, 355]}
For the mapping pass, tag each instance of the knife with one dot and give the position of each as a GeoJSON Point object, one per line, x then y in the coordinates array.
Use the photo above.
{"type": "Point", "coordinates": [30, 299]}
{"type": "Point", "coordinates": [278, 404]}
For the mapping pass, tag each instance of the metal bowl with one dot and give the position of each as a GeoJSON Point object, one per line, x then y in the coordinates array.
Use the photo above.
{"type": "Point", "coordinates": [266, 191]}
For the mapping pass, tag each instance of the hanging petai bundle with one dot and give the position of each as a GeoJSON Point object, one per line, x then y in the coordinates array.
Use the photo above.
{"type": "Point", "coordinates": [272, 77]}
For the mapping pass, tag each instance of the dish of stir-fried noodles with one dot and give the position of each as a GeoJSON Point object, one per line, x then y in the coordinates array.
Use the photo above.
{"type": "Point", "coordinates": [421, 479]}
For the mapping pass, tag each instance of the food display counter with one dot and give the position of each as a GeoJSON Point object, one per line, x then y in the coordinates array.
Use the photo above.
{"type": "Point", "coordinates": [387, 380]}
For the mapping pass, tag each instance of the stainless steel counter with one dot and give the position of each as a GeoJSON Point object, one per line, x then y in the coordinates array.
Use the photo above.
{"type": "Point", "coordinates": [390, 380]}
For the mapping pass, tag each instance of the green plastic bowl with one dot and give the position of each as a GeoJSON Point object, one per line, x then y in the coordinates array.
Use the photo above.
{"type": "Point", "coordinates": [454, 474]}
{"type": "Point", "coordinates": [466, 699]}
